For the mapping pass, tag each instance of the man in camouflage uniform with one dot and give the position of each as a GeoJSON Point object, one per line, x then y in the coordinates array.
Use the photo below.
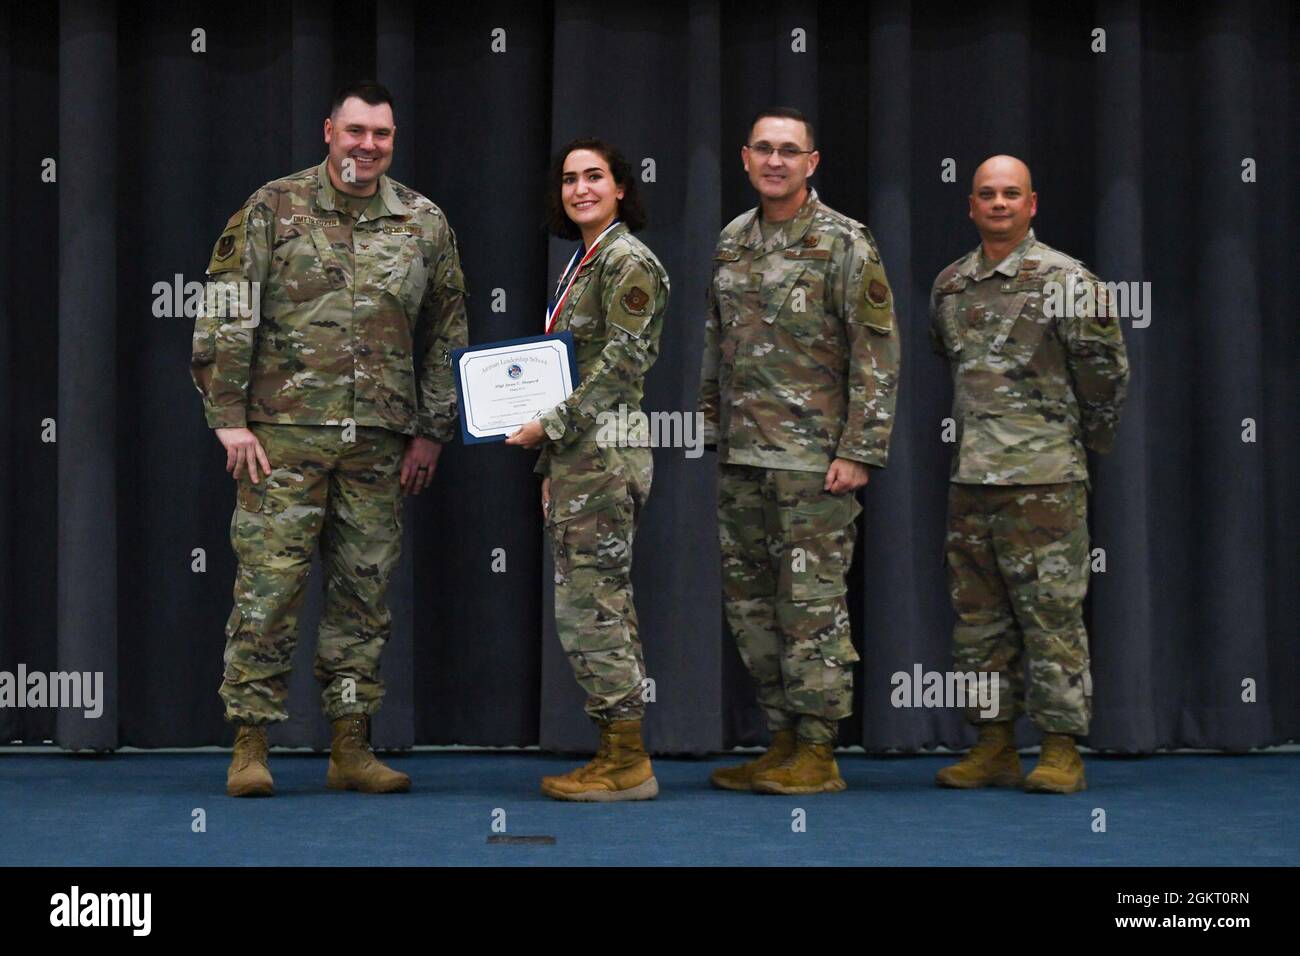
{"type": "Point", "coordinates": [797, 390]}
{"type": "Point", "coordinates": [596, 481]}
{"type": "Point", "coordinates": [320, 394]}
{"type": "Point", "coordinates": [1032, 388]}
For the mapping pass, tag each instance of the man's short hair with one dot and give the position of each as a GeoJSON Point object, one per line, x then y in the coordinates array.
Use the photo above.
{"type": "Point", "coordinates": [368, 91]}
{"type": "Point", "coordinates": [783, 112]}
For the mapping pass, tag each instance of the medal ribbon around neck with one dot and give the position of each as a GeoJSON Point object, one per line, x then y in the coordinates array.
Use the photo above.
{"type": "Point", "coordinates": [572, 273]}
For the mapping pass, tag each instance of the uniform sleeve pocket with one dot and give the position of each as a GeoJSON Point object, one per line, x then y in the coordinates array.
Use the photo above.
{"type": "Point", "coordinates": [228, 253]}
{"type": "Point", "coordinates": [633, 303]}
{"type": "Point", "coordinates": [875, 305]}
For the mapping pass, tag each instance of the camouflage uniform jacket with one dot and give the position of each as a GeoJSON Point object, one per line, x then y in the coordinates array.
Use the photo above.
{"type": "Point", "coordinates": [1029, 390]}
{"type": "Point", "coordinates": [615, 310]}
{"type": "Point", "coordinates": [801, 348]}
{"type": "Point", "coordinates": [342, 305]}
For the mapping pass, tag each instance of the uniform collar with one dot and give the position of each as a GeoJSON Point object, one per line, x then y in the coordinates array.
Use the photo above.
{"type": "Point", "coordinates": [791, 232]}
{"type": "Point", "coordinates": [1009, 267]}
{"type": "Point", "coordinates": [389, 204]}
{"type": "Point", "coordinates": [619, 229]}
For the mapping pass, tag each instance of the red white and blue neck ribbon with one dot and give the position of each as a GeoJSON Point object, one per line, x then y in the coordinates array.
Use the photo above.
{"type": "Point", "coordinates": [570, 274]}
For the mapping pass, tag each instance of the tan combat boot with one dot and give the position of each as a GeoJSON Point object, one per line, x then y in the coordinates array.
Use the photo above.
{"type": "Point", "coordinates": [248, 775]}
{"type": "Point", "coordinates": [620, 770]}
{"type": "Point", "coordinates": [741, 777]}
{"type": "Point", "coordinates": [1060, 768]}
{"type": "Point", "coordinates": [811, 768]}
{"type": "Point", "coordinates": [353, 765]}
{"type": "Point", "coordinates": [992, 762]}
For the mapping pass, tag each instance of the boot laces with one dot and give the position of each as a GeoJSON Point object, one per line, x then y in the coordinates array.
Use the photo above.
{"type": "Point", "coordinates": [986, 749]}
{"type": "Point", "coordinates": [604, 755]}
{"type": "Point", "coordinates": [597, 761]}
{"type": "Point", "coordinates": [1056, 753]}
{"type": "Point", "coordinates": [797, 756]}
{"type": "Point", "coordinates": [250, 748]}
{"type": "Point", "coordinates": [355, 739]}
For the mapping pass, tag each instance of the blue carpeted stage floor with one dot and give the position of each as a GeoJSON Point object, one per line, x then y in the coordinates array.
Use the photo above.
{"type": "Point", "coordinates": [136, 809]}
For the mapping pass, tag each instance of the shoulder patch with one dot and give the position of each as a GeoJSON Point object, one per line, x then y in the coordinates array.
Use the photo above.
{"type": "Point", "coordinates": [227, 254]}
{"type": "Point", "coordinates": [635, 300]}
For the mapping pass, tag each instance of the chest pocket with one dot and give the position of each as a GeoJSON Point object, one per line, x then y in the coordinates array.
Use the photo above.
{"type": "Point", "coordinates": [1016, 337]}
{"type": "Point", "coordinates": [946, 318]}
{"type": "Point", "coordinates": [801, 295]}
{"type": "Point", "coordinates": [408, 274]}
{"type": "Point", "coordinates": [307, 267]}
{"type": "Point", "coordinates": [583, 300]}
{"type": "Point", "coordinates": [731, 288]}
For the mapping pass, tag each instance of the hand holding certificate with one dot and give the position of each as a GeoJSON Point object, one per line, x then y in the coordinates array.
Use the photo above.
{"type": "Point", "coordinates": [504, 385]}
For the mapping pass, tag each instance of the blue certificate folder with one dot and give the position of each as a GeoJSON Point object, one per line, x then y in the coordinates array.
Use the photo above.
{"type": "Point", "coordinates": [566, 337]}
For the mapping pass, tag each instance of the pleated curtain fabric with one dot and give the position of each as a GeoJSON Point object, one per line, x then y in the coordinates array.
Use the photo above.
{"type": "Point", "coordinates": [115, 551]}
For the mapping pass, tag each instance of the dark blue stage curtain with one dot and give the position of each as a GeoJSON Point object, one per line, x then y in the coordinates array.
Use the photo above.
{"type": "Point", "coordinates": [1137, 155]}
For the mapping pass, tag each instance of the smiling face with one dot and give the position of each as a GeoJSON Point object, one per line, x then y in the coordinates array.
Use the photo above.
{"type": "Point", "coordinates": [588, 191]}
{"type": "Point", "coordinates": [1002, 199]}
{"type": "Point", "coordinates": [778, 177]}
{"type": "Point", "coordinates": [363, 134]}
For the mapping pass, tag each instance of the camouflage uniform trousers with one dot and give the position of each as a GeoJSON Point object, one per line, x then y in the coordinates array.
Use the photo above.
{"type": "Point", "coordinates": [1018, 567]}
{"type": "Point", "coordinates": [594, 614]}
{"type": "Point", "coordinates": [786, 549]}
{"type": "Point", "coordinates": [346, 496]}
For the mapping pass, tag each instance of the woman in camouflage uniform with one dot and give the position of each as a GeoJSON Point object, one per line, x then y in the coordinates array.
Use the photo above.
{"type": "Point", "coordinates": [596, 480]}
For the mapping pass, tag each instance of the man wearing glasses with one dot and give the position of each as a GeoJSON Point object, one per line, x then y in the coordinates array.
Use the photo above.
{"type": "Point", "coordinates": [797, 391]}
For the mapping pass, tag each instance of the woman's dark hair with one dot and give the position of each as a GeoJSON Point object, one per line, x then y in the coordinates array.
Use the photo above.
{"type": "Point", "coordinates": [630, 210]}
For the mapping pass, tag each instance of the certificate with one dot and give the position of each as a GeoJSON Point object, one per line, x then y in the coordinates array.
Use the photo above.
{"type": "Point", "coordinates": [505, 385]}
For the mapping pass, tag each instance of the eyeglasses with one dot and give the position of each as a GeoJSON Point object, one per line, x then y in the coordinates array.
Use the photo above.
{"type": "Point", "coordinates": [765, 150]}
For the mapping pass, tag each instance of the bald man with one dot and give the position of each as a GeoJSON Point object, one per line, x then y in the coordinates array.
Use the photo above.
{"type": "Point", "coordinates": [1039, 374]}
